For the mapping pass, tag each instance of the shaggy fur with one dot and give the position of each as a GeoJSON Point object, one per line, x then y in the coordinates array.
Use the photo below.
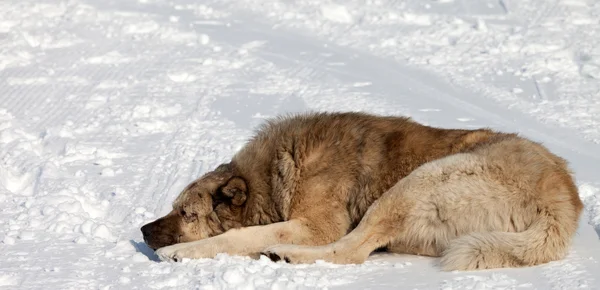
{"type": "Point", "coordinates": [337, 186]}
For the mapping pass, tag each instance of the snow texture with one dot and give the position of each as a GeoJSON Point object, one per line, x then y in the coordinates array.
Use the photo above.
{"type": "Point", "coordinates": [109, 108]}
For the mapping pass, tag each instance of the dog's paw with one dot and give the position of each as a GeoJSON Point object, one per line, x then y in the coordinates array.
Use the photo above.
{"type": "Point", "coordinates": [274, 256]}
{"type": "Point", "coordinates": [174, 253]}
{"type": "Point", "coordinates": [191, 250]}
{"type": "Point", "coordinates": [298, 254]}
{"type": "Point", "coordinates": [168, 254]}
{"type": "Point", "coordinates": [292, 254]}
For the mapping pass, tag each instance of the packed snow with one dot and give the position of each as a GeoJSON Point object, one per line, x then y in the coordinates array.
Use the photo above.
{"type": "Point", "coordinates": [108, 108]}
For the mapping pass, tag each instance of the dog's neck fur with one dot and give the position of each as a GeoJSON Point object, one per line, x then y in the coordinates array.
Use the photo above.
{"type": "Point", "coordinates": [259, 208]}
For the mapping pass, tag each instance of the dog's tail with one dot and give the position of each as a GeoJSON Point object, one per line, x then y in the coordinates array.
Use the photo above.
{"type": "Point", "coordinates": [548, 238]}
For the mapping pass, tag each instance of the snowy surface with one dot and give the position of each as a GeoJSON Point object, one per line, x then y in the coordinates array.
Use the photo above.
{"type": "Point", "coordinates": [109, 108]}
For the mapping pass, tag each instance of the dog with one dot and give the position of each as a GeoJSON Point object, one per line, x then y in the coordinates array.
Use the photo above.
{"type": "Point", "coordinates": [336, 186]}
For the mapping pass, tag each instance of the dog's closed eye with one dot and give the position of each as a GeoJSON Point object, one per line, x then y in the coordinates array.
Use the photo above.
{"type": "Point", "coordinates": [188, 216]}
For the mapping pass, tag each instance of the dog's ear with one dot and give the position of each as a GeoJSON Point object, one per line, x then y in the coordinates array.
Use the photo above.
{"type": "Point", "coordinates": [235, 191]}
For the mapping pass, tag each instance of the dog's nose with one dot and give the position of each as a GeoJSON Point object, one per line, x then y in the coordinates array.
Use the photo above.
{"type": "Point", "coordinates": [146, 231]}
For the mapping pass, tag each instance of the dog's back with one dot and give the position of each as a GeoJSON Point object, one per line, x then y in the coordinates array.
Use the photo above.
{"type": "Point", "coordinates": [356, 156]}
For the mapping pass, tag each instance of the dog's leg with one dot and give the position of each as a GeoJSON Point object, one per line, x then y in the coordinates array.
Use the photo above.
{"type": "Point", "coordinates": [383, 223]}
{"type": "Point", "coordinates": [250, 241]}
{"type": "Point", "coordinates": [241, 241]}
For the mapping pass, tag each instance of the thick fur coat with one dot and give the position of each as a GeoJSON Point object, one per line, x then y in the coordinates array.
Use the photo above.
{"type": "Point", "coordinates": [337, 186]}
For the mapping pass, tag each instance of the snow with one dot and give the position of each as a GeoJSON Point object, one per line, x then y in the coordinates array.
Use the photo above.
{"type": "Point", "coordinates": [109, 108]}
{"type": "Point", "coordinates": [336, 13]}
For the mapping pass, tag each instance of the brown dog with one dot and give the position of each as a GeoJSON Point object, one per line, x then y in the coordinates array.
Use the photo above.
{"type": "Point", "coordinates": [337, 186]}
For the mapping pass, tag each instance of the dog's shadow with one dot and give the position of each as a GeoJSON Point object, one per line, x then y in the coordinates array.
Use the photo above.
{"type": "Point", "coordinates": [141, 247]}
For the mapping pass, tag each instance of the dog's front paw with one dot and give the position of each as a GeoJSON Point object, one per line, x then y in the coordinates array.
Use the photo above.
{"type": "Point", "coordinates": [293, 254]}
{"type": "Point", "coordinates": [299, 254]}
{"type": "Point", "coordinates": [170, 253]}
{"type": "Point", "coordinates": [178, 252]}
{"type": "Point", "coordinates": [191, 250]}
{"type": "Point", "coordinates": [275, 256]}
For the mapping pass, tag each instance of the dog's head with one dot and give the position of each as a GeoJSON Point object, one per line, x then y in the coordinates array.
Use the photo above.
{"type": "Point", "coordinates": [205, 208]}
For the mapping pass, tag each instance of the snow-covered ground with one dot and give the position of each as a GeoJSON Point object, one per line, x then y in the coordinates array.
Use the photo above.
{"type": "Point", "coordinates": [108, 108]}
